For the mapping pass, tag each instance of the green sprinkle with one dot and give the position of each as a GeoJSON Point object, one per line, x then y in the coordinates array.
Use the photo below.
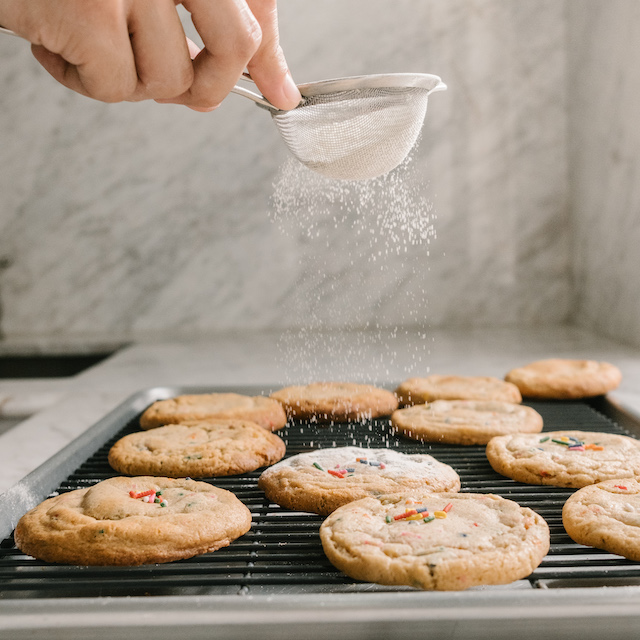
{"type": "Point", "coordinates": [101, 531]}
{"type": "Point", "coordinates": [163, 504]}
{"type": "Point", "coordinates": [388, 519]}
{"type": "Point", "coordinates": [566, 444]}
{"type": "Point", "coordinates": [428, 519]}
{"type": "Point", "coordinates": [544, 439]}
{"type": "Point", "coordinates": [317, 466]}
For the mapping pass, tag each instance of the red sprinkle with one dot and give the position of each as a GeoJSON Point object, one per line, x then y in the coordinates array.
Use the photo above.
{"type": "Point", "coordinates": [619, 486]}
{"type": "Point", "coordinates": [406, 514]}
{"type": "Point", "coordinates": [448, 508]}
{"type": "Point", "coordinates": [133, 494]}
{"type": "Point", "coordinates": [337, 474]}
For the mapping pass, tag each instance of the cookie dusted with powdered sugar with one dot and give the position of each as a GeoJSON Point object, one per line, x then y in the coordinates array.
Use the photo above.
{"type": "Point", "coordinates": [336, 401]}
{"type": "Point", "coordinates": [323, 480]}
{"type": "Point", "coordinates": [565, 458]}
{"type": "Point", "coordinates": [464, 421]}
{"type": "Point", "coordinates": [438, 387]}
{"type": "Point", "coordinates": [197, 449]}
{"type": "Point", "coordinates": [558, 379]}
{"type": "Point", "coordinates": [435, 541]}
{"type": "Point", "coordinates": [132, 521]}
{"type": "Point", "coordinates": [266, 412]}
{"type": "Point", "coordinates": [606, 516]}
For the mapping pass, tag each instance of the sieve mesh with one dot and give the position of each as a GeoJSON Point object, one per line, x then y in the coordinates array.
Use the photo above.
{"type": "Point", "coordinates": [356, 134]}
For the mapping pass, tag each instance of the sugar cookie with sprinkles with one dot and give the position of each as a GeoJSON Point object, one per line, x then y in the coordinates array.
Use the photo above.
{"type": "Point", "coordinates": [206, 406]}
{"type": "Point", "coordinates": [439, 387]}
{"type": "Point", "coordinates": [336, 401]}
{"type": "Point", "coordinates": [321, 481]}
{"type": "Point", "coordinates": [197, 449]}
{"type": "Point", "coordinates": [464, 421]}
{"type": "Point", "coordinates": [439, 541]}
{"type": "Point", "coordinates": [606, 516]}
{"type": "Point", "coordinates": [564, 458]}
{"type": "Point", "coordinates": [558, 379]}
{"type": "Point", "coordinates": [132, 521]}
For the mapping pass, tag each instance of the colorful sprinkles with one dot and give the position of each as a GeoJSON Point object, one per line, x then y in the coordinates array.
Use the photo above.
{"type": "Point", "coordinates": [573, 444]}
{"type": "Point", "coordinates": [151, 495]}
{"type": "Point", "coordinates": [419, 513]}
{"type": "Point", "coordinates": [343, 472]}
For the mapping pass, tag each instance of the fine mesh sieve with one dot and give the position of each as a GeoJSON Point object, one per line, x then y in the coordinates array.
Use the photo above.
{"type": "Point", "coordinates": [355, 128]}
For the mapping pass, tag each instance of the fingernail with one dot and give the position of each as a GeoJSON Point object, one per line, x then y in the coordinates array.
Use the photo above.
{"type": "Point", "coordinates": [291, 92]}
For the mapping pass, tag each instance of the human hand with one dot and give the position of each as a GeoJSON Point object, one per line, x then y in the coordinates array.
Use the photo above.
{"type": "Point", "coordinates": [117, 50]}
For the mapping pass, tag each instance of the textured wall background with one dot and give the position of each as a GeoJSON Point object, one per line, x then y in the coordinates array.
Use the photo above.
{"type": "Point", "coordinates": [604, 152]}
{"type": "Point", "coordinates": [132, 221]}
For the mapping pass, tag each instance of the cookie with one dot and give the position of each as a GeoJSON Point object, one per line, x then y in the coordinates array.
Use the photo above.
{"type": "Point", "coordinates": [197, 449]}
{"type": "Point", "coordinates": [336, 401]}
{"type": "Point", "coordinates": [565, 458]}
{"type": "Point", "coordinates": [606, 516]}
{"type": "Point", "coordinates": [436, 387]}
{"type": "Point", "coordinates": [264, 411]}
{"type": "Point", "coordinates": [558, 379]}
{"type": "Point", "coordinates": [321, 481]}
{"type": "Point", "coordinates": [443, 541]}
{"type": "Point", "coordinates": [117, 522]}
{"type": "Point", "coordinates": [464, 421]}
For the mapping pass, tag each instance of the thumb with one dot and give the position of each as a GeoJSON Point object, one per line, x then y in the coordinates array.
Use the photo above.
{"type": "Point", "coordinates": [268, 67]}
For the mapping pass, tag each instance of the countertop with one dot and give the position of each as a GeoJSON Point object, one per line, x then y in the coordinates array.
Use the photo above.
{"type": "Point", "coordinates": [65, 408]}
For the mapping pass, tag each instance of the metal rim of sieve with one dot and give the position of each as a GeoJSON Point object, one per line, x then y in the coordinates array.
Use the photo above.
{"type": "Point", "coordinates": [425, 81]}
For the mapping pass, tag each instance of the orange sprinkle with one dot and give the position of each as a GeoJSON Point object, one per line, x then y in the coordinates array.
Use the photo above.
{"type": "Point", "coordinates": [406, 514]}
{"type": "Point", "coordinates": [594, 447]}
{"type": "Point", "coordinates": [143, 494]}
{"type": "Point", "coordinates": [448, 508]}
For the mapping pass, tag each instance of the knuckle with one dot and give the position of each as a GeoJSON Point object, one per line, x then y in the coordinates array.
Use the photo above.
{"type": "Point", "coordinates": [168, 88]}
{"type": "Point", "coordinates": [248, 40]}
{"type": "Point", "coordinates": [111, 95]}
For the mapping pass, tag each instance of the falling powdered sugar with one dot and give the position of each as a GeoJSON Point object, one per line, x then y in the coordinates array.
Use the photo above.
{"type": "Point", "coordinates": [360, 292]}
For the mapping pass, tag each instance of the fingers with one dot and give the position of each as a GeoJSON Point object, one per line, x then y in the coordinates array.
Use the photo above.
{"type": "Point", "coordinates": [268, 67]}
{"type": "Point", "coordinates": [231, 37]}
{"type": "Point", "coordinates": [125, 49]}
{"type": "Point", "coordinates": [97, 62]}
{"type": "Point", "coordinates": [115, 50]}
{"type": "Point", "coordinates": [160, 50]}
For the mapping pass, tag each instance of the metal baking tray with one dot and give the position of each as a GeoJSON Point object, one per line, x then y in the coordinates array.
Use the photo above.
{"type": "Point", "coordinates": [276, 582]}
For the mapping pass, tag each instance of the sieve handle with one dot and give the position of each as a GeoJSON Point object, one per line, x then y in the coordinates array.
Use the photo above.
{"type": "Point", "coordinates": [8, 32]}
{"type": "Point", "coordinates": [261, 101]}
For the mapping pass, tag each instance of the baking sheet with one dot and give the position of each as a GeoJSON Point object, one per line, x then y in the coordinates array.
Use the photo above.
{"type": "Point", "coordinates": [539, 598]}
